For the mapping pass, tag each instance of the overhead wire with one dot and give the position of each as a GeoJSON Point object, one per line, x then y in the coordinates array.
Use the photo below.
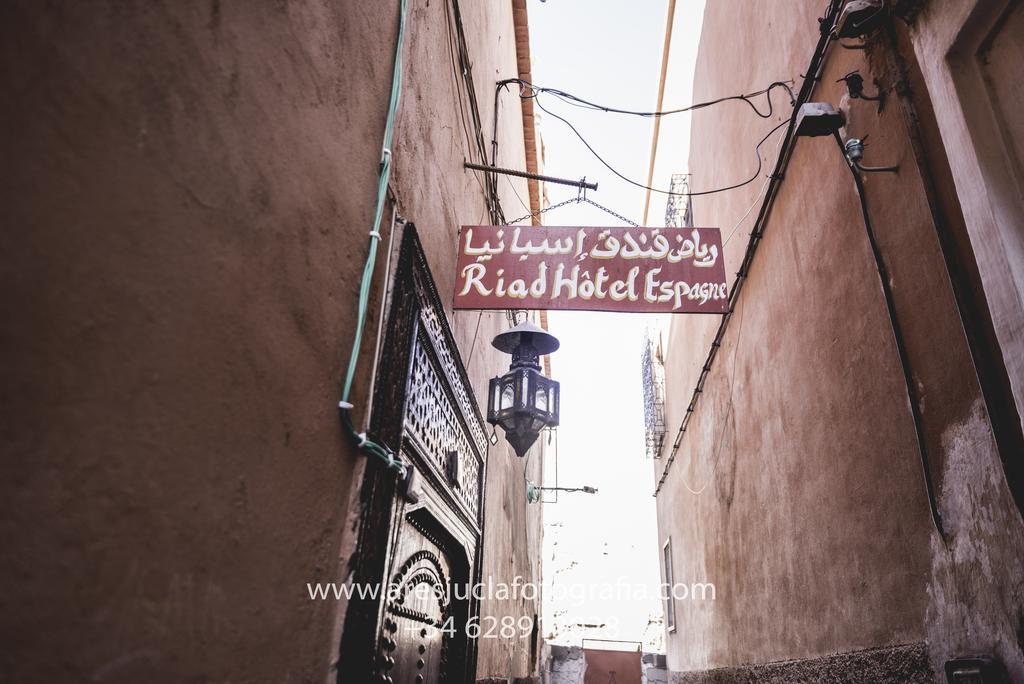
{"type": "Point", "coordinates": [699, 193]}
{"type": "Point", "coordinates": [757, 198]}
{"type": "Point", "coordinates": [577, 101]}
{"type": "Point", "coordinates": [739, 222]}
{"type": "Point", "coordinates": [516, 193]}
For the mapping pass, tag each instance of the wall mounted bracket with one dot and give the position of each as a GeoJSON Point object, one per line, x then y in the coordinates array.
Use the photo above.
{"type": "Point", "coordinates": [581, 184]}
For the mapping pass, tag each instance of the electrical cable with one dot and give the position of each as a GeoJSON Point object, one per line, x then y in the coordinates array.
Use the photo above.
{"type": "Point", "coordinates": [395, 220]}
{"type": "Point", "coordinates": [456, 72]}
{"type": "Point", "coordinates": [465, 68]}
{"type": "Point", "coordinates": [345, 406]}
{"type": "Point", "coordinates": [757, 198]}
{"type": "Point", "coordinates": [585, 104]}
{"type": "Point", "coordinates": [735, 227]}
{"type": "Point", "coordinates": [757, 152]}
{"type": "Point", "coordinates": [897, 333]}
{"type": "Point", "coordinates": [472, 346]}
{"type": "Point", "coordinates": [577, 101]}
{"type": "Point", "coordinates": [516, 193]}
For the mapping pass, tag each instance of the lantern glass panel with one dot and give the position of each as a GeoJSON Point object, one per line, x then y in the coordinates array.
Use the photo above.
{"type": "Point", "coordinates": [507, 397]}
{"type": "Point", "coordinates": [541, 403]}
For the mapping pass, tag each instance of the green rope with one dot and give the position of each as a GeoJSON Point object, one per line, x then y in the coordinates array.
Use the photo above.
{"type": "Point", "coordinates": [378, 450]}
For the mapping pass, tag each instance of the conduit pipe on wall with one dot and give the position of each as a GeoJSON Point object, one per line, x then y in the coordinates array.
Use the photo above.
{"type": "Point", "coordinates": [362, 441]}
{"type": "Point", "coordinates": [897, 333]}
{"type": "Point", "coordinates": [385, 300]}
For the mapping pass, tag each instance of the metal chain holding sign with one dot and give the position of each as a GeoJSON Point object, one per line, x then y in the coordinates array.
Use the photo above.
{"type": "Point", "coordinates": [573, 200]}
{"type": "Point", "coordinates": [545, 209]}
{"type": "Point", "coordinates": [609, 211]}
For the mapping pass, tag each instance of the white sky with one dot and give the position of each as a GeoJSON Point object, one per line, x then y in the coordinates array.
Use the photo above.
{"type": "Point", "coordinates": [607, 52]}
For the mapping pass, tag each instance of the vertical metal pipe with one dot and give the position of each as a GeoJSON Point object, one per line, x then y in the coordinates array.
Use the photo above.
{"type": "Point", "coordinates": [380, 318]}
{"type": "Point", "coordinates": [901, 347]}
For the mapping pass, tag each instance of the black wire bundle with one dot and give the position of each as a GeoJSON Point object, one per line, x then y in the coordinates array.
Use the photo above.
{"type": "Point", "coordinates": [463, 68]}
{"type": "Point", "coordinates": [577, 101]}
{"type": "Point", "coordinates": [756, 174]}
{"type": "Point", "coordinates": [531, 91]}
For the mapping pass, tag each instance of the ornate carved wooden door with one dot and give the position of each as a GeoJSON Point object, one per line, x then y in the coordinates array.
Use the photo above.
{"type": "Point", "coordinates": [419, 537]}
{"type": "Point", "coordinates": [414, 643]}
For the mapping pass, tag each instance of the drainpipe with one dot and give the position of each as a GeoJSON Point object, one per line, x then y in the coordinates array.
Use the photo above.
{"type": "Point", "coordinates": [385, 300]}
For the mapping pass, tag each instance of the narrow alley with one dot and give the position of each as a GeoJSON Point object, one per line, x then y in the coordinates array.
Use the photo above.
{"type": "Point", "coordinates": [513, 342]}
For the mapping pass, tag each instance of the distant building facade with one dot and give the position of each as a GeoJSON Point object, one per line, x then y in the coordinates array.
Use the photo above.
{"type": "Point", "coordinates": [851, 474]}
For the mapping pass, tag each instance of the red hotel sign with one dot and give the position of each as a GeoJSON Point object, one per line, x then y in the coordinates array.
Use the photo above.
{"type": "Point", "coordinates": [637, 270]}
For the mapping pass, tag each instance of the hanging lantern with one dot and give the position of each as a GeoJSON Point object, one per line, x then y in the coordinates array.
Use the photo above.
{"type": "Point", "coordinates": [523, 401]}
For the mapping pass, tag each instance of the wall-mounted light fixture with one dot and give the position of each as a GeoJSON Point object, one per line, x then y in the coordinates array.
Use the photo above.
{"type": "Point", "coordinates": [523, 401]}
{"type": "Point", "coordinates": [534, 492]}
{"type": "Point", "coordinates": [818, 118]}
{"type": "Point", "coordinates": [859, 17]}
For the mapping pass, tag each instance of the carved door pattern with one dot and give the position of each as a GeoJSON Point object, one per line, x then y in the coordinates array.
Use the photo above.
{"type": "Point", "coordinates": [414, 644]}
{"type": "Point", "coordinates": [420, 538]}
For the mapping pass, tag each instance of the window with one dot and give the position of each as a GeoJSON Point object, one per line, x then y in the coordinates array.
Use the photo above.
{"type": "Point", "coordinates": [670, 605]}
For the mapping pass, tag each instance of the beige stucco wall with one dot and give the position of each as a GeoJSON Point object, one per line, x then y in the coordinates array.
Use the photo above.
{"type": "Point", "coordinates": [984, 146]}
{"type": "Point", "coordinates": [798, 488]}
{"type": "Point", "coordinates": [440, 196]}
{"type": "Point", "coordinates": [189, 190]}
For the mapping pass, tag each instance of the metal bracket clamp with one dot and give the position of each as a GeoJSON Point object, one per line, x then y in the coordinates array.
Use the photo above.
{"type": "Point", "coordinates": [855, 152]}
